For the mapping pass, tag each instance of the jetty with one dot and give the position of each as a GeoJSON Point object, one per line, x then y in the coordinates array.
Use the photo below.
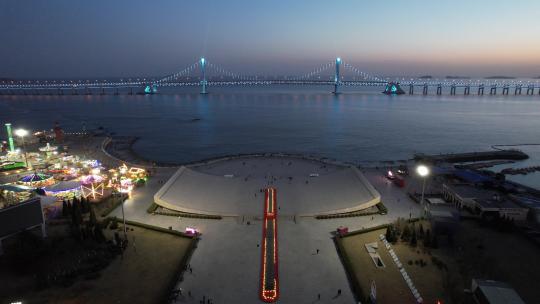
{"type": "Point", "coordinates": [472, 156]}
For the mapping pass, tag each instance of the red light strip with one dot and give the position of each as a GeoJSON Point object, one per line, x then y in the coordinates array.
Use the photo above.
{"type": "Point", "coordinates": [269, 265]}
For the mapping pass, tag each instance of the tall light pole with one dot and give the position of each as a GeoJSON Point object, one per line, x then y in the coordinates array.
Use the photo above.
{"type": "Point", "coordinates": [123, 171]}
{"type": "Point", "coordinates": [124, 219]}
{"type": "Point", "coordinates": [423, 171]}
{"type": "Point", "coordinates": [22, 133]}
{"type": "Point", "coordinates": [10, 137]}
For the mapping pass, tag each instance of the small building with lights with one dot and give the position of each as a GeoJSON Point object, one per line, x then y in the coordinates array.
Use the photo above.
{"type": "Point", "coordinates": [485, 203]}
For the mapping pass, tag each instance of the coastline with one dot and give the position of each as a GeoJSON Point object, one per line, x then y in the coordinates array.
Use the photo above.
{"type": "Point", "coordinates": [120, 150]}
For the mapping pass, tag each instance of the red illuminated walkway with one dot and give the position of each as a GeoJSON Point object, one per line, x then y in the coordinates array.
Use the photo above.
{"type": "Point", "coordinates": [269, 269]}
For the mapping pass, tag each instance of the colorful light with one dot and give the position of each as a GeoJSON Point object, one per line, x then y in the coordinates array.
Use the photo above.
{"type": "Point", "coordinates": [90, 179]}
{"type": "Point", "coordinates": [269, 295]}
{"type": "Point", "coordinates": [191, 230]}
{"type": "Point", "coordinates": [123, 169]}
{"type": "Point", "coordinates": [10, 137]}
{"type": "Point", "coordinates": [95, 190]}
{"type": "Point", "coordinates": [126, 185]}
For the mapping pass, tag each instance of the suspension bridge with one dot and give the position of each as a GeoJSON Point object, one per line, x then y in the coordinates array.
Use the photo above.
{"type": "Point", "coordinates": [204, 74]}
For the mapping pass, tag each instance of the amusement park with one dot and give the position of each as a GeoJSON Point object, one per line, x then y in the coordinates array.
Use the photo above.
{"type": "Point", "coordinates": [40, 164]}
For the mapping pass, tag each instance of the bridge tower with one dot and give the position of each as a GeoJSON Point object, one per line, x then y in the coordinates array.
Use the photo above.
{"type": "Point", "coordinates": [337, 79]}
{"type": "Point", "coordinates": [517, 90]}
{"type": "Point", "coordinates": [505, 89]}
{"type": "Point", "coordinates": [203, 73]}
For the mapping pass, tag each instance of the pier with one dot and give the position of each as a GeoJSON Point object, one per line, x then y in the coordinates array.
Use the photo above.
{"type": "Point", "coordinates": [473, 156]}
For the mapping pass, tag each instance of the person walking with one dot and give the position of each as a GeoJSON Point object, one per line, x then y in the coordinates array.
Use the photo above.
{"type": "Point", "coordinates": [317, 251]}
{"type": "Point", "coordinates": [318, 296]}
{"type": "Point", "coordinates": [339, 292]}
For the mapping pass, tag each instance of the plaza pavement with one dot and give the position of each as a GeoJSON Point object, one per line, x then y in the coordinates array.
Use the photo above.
{"type": "Point", "coordinates": [226, 264]}
{"type": "Point", "coordinates": [233, 187]}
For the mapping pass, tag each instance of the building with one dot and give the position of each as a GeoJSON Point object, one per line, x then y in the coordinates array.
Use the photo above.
{"type": "Point", "coordinates": [443, 217]}
{"type": "Point", "coordinates": [503, 208]}
{"type": "Point", "coordinates": [464, 195]}
{"type": "Point", "coordinates": [20, 217]}
{"type": "Point", "coordinates": [530, 202]}
{"type": "Point", "coordinates": [483, 202]}
{"type": "Point", "coordinates": [494, 292]}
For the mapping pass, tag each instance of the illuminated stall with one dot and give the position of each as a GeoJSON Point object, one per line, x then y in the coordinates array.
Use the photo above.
{"type": "Point", "coordinates": [93, 185]}
{"type": "Point", "coordinates": [49, 150]}
{"type": "Point", "coordinates": [12, 194]}
{"type": "Point", "coordinates": [136, 174]}
{"type": "Point", "coordinates": [37, 180]}
{"type": "Point", "coordinates": [126, 185]}
{"type": "Point", "coordinates": [64, 189]}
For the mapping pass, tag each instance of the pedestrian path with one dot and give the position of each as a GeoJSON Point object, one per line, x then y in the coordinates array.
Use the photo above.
{"type": "Point", "coordinates": [269, 267]}
{"type": "Point", "coordinates": [402, 270]}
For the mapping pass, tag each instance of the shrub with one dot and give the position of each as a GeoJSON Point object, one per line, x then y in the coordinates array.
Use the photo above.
{"type": "Point", "coordinates": [406, 234]}
{"type": "Point", "coordinates": [382, 208]}
{"type": "Point", "coordinates": [440, 264]}
{"type": "Point", "coordinates": [114, 224]}
{"type": "Point", "coordinates": [152, 208]}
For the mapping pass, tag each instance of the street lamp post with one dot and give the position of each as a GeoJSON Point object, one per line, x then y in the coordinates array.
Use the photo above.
{"type": "Point", "coordinates": [124, 219]}
{"type": "Point", "coordinates": [22, 133]}
{"type": "Point", "coordinates": [423, 171]}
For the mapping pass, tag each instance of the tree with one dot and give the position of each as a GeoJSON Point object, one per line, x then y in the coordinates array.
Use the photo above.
{"type": "Point", "coordinates": [420, 231]}
{"type": "Point", "coordinates": [434, 242]}
{"type": "Point", "coordinates": [406, 234]}
{"type": "Point", "coordinates": [98, 233]}
{"type": "Point", "coordinates": [414, 240]}
{"type": "Point", "coordinates": [65, 211]}
{"type": "Point", "coordinates": [69, 208]}
{"type": "Point", "coordinates": [93, 219]}
{"type": "Point", "coordinates": [74, 207]}
{"type": "Point", "coordinates": [427, 239]}
{"type": "Point", "coordinates": [114, 223]}
{"type": "Point", "coordinates": [85, 205]}
{"type": "Point", "coordinates": [82, 205]}
{"type": "Point", "coordinates": [389, 234]}
{"type": "Point", "coordinates": [76, 217]}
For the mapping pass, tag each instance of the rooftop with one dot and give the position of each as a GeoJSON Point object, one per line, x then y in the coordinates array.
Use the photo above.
{"type": "Point", "coordinates": [493, 203]}
{"type": "Point", "coordinates": [467, 191]}
{"type": "Point", "coordinates": [498, 292]}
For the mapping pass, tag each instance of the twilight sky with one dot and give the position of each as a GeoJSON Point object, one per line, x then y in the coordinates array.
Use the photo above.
{"type": "Point", "coordinates": [100, 38]}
